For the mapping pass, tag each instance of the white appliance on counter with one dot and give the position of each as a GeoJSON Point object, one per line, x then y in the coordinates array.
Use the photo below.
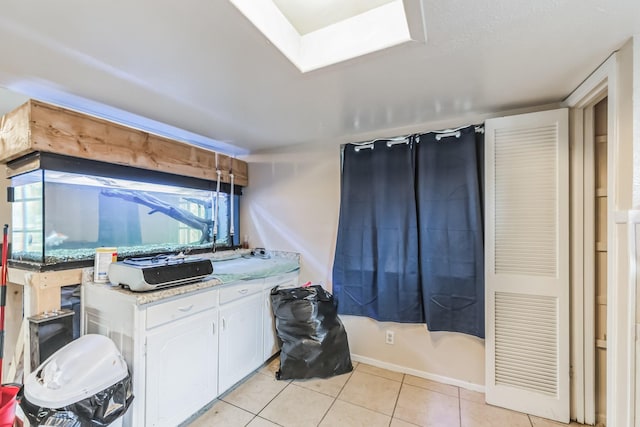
{"type": "Point", "coordinates": [149, 273]}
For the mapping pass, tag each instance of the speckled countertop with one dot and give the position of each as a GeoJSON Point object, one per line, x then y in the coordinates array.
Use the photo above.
{"type": "Point", "coordinates": [228, 267]}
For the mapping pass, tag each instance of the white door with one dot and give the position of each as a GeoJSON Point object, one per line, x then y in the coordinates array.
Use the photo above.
{"type": "Point", "coordinates": [182, 368]}
{"type": "Point", "coordinates": [527, 263]}
{"type": "Point", "coordinates": [240, 339]}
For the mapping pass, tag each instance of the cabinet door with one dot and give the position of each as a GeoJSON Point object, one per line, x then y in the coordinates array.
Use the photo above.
{"type": "Point", "coordinates": [181, 373]}
{"type": "Point", "coordinates": [240, 339]}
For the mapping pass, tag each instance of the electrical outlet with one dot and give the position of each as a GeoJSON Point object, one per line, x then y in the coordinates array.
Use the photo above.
{"type": "Point", "coordinates": [389, 336]}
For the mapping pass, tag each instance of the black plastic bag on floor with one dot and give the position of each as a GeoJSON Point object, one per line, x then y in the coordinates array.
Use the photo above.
{"type": "Point", "coordinates": [314, 341]}
{"type": "Point", "coordinates": [99, 410]}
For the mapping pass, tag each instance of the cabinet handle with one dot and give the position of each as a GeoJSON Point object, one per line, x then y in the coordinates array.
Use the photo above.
{"type": "Point", "coordinates": [243, 291]}
{"type": "Point", "coordinates": [185, 309]}
{"type": "Point", "coordinates": [224, 325]}
{"type": "Point", "coordinates": [213, 325]}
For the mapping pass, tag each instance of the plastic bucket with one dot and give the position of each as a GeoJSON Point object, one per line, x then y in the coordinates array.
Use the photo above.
{"type": "Point", "coordinates": [8, 402]}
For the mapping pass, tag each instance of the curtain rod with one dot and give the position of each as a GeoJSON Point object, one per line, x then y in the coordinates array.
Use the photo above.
{"type": "Point", "coordinates": [368, 145]}
{"type": "Point", "coordinates": [390, 142]}
{"type": "Point", "coordinates": [455, 132]}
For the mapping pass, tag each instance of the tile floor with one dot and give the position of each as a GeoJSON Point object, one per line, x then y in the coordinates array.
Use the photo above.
{"type": "Point", "coordinates": [368, 397]}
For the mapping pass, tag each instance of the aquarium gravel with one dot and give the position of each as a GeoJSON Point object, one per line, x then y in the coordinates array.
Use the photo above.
{"type": "Point", "coordinates": [61, 255]}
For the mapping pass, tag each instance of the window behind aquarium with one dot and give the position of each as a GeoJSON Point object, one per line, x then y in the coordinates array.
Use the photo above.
{"type": "Point", "coordinates": [26, 213]}
{"type": "Point", "coordinates": [61, 216]}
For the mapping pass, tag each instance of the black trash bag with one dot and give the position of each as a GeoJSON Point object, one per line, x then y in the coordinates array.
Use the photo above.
{"type": "Point", "coordinates": [314, 341]}
{"type": "Point", "coordinates": [98, 410]}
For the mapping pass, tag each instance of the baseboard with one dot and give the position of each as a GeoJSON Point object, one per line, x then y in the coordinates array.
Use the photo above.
{"type": "Point", "coordinates": [427, 375]}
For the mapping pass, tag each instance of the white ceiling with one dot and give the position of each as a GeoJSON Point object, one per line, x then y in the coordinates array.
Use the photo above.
{"type": "Point", "coordinates": [203, 70]}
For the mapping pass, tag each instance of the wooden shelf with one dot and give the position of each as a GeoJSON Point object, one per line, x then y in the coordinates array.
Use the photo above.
{"type": "Point", "coordinates": [45, 286]}
{"type": "Point", "coordinates": [601, 344]}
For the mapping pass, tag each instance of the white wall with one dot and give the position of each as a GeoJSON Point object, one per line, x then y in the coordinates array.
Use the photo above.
{"type": "Point", "coordinates": [627, 192]}
{"type": "Point", "coordinates": [634, 94]}
{"type": "Point", "coordinates": [292, 203]}
{"type": "Point", "coordinates": [625, 162]}
{"type": "Point", "coordinates": [627, 167]}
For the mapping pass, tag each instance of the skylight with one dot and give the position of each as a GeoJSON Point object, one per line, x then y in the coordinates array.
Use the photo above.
{"type": "Point", "coordinates": [310, 15]}
{"type": "Point", "coordinates": [316, 33]}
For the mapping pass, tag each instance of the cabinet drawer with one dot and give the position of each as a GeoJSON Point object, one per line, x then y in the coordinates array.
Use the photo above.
{"type": "Point", "coordinates": [181, 307]}
{"type": "Point", "coordinates": [240, 289]}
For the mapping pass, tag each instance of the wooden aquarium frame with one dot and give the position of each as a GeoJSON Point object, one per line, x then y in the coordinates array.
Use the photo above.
{"type": "Point", "coordinates": [36, 126]}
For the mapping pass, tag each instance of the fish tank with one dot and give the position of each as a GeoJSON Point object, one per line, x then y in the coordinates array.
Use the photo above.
{"type": "Point", "coordinates": [67, 208]}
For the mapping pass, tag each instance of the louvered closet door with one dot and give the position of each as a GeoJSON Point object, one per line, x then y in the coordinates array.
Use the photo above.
{"type": "Point", "coordinates": [527, 263]}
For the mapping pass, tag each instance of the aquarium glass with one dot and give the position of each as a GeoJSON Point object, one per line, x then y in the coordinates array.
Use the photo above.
{"type": "Point", "coordinates": [63, 217]}
{"type": "Point", "coordinates": [27, 214]}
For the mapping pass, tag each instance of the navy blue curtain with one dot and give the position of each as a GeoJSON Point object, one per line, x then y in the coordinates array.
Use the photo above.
{"type": "Point", "coordinates": [450, 216]}
{"type": "Point", "coordinates": [375, 271]}
{"type": "Point", "coordinates": [410, 233]}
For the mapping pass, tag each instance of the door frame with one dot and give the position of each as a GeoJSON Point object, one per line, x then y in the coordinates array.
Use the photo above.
{"type": "Point", "coordinates": [621, 320]}
{"type": "Point", "coordinates": [583, 259]}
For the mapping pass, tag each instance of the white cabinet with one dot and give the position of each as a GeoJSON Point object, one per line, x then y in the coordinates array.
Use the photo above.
{"type": "Point", "coordinates": [181, 371]}
{"type": "Point", "coordinates": [185, 350]}
{"type": "Point", "coordinates": [240, 344]}
{"type": "Point", "coordinates": [170, 347]}
{"type": "Point", "coordinates": [270, 340]}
